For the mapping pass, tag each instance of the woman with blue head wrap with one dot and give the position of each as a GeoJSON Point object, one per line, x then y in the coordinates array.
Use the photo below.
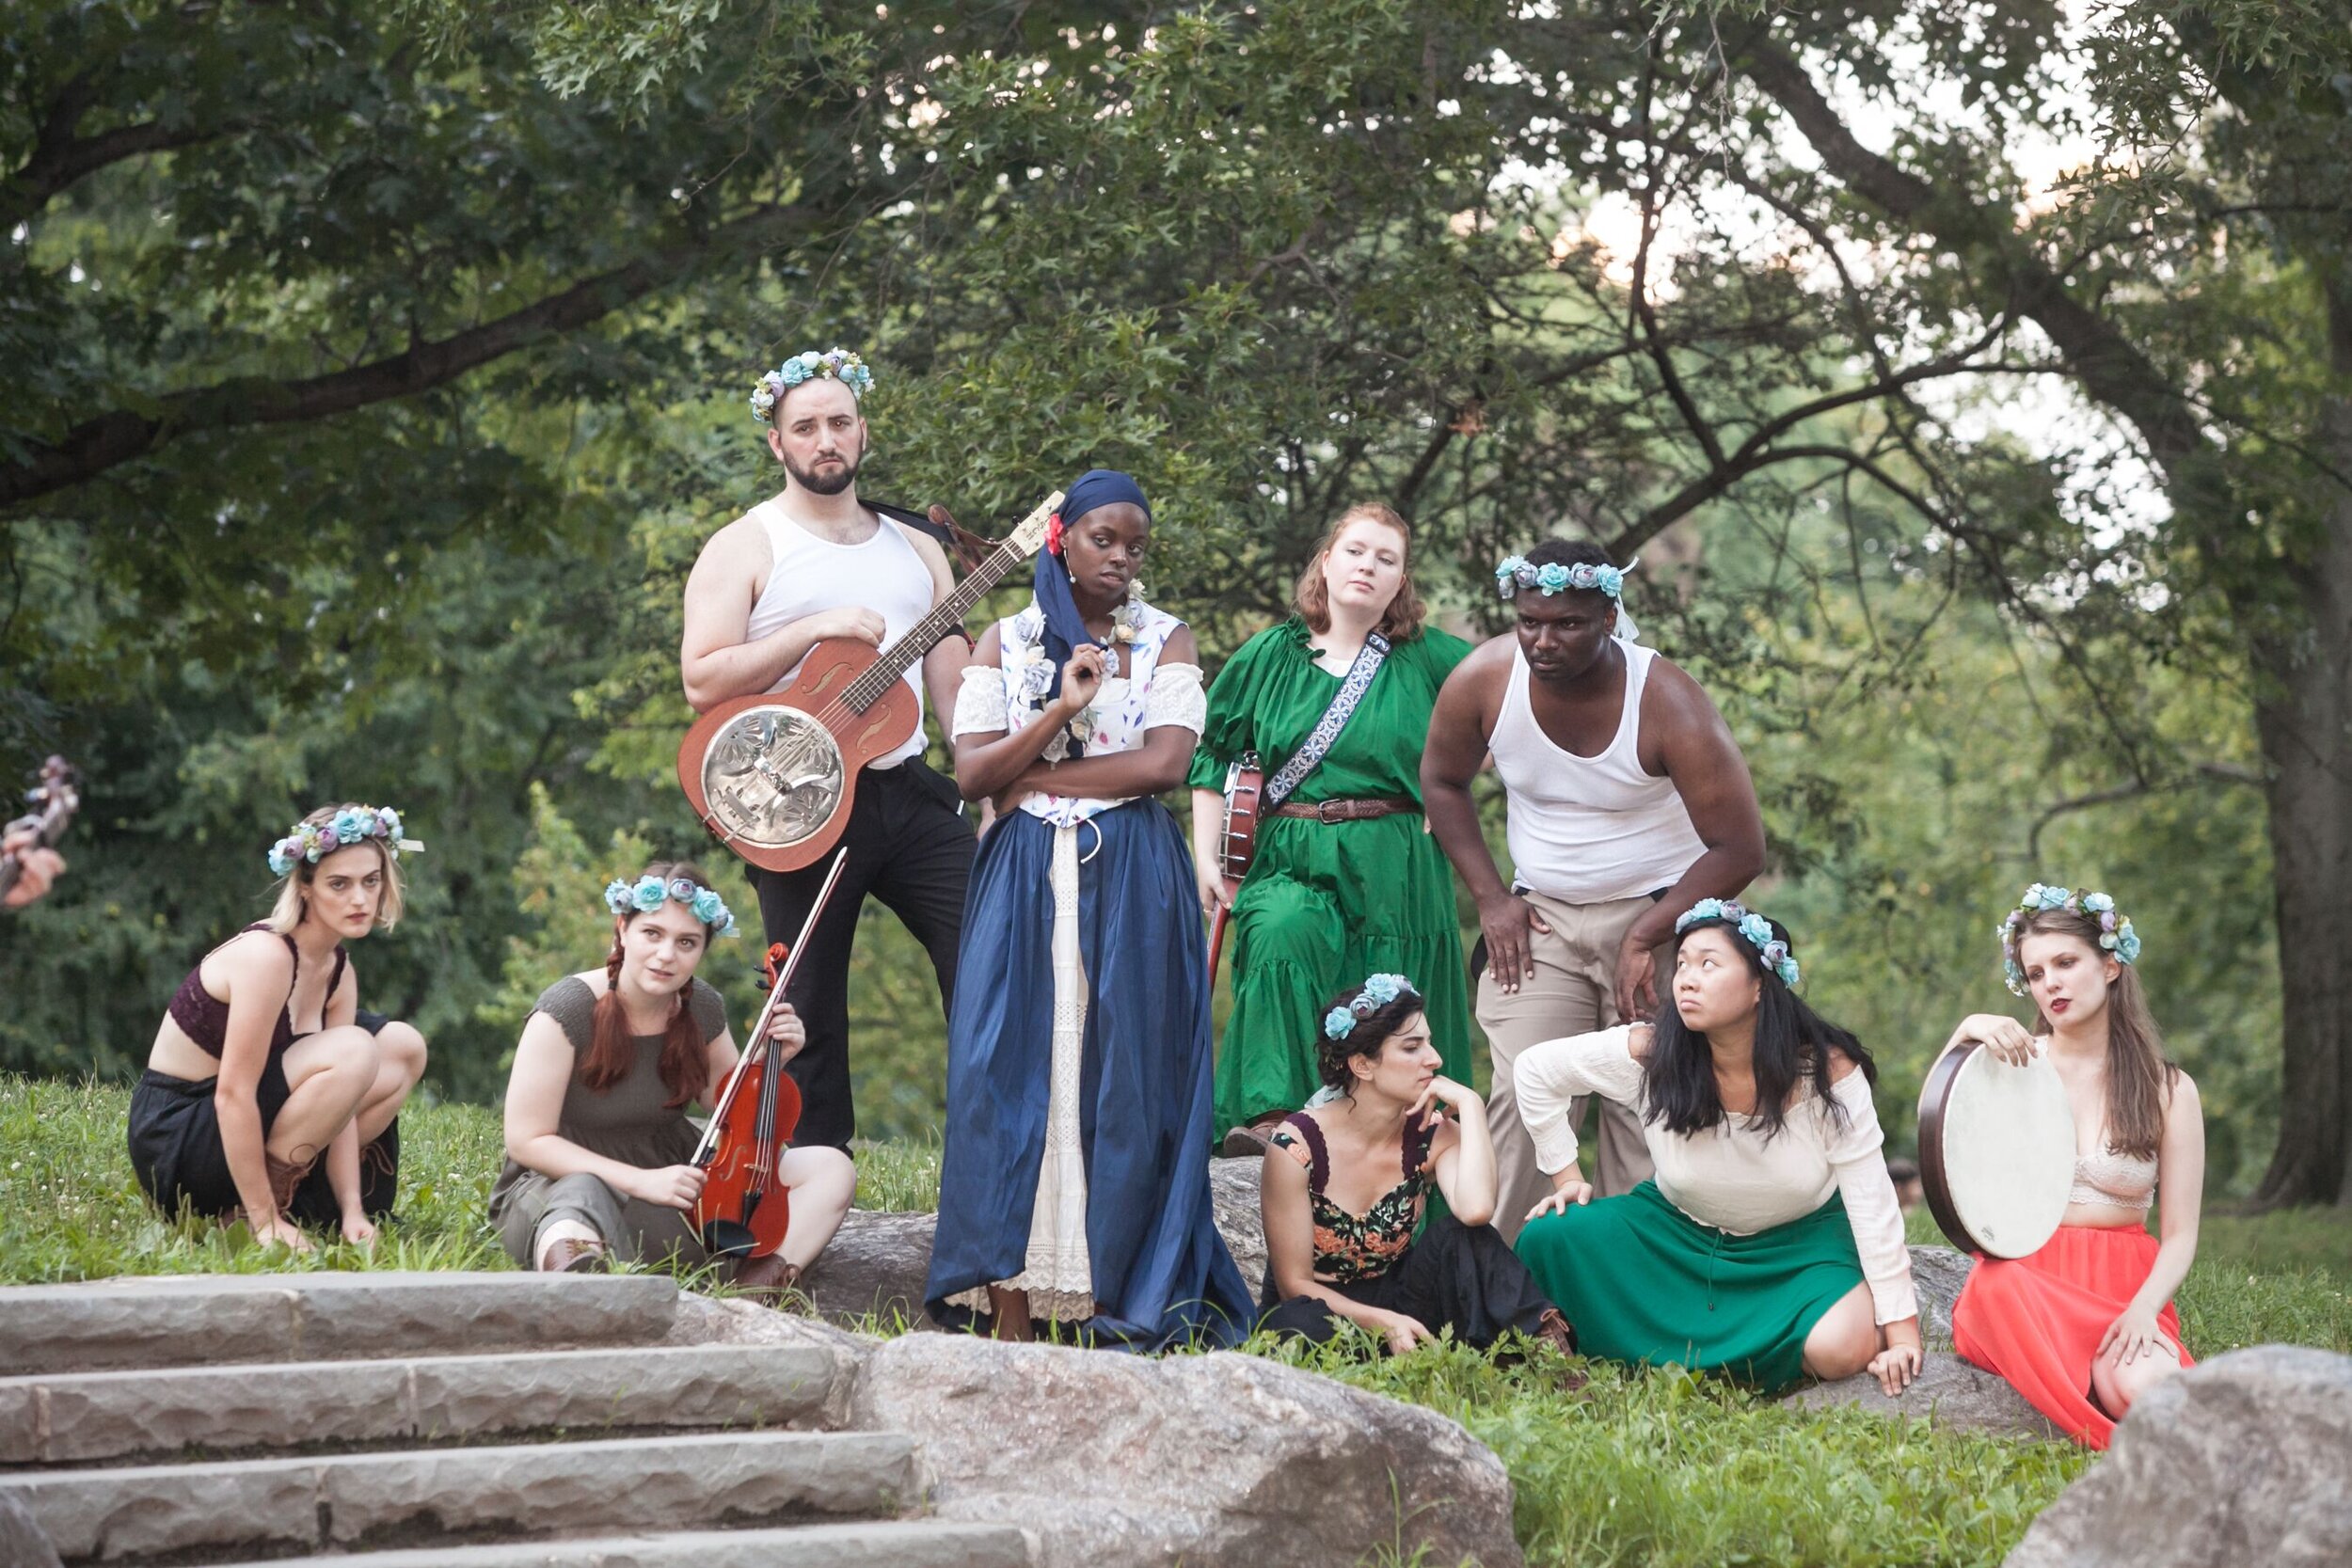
{"type": "Point", "coordinates": [1074, 1184]}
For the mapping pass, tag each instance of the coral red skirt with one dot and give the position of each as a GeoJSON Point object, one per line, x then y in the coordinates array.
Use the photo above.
{"type": "Point", "coordinates": [2037, 1320]}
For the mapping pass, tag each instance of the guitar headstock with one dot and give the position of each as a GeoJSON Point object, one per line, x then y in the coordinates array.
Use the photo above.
{"type": "Point", "coordinates": [58, 795]}
{"type": "Point", "coordinates": [1030, 536]}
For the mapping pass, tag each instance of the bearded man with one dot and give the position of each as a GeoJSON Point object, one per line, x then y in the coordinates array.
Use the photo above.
{"type": "Point", "coordinates": [808, 563]}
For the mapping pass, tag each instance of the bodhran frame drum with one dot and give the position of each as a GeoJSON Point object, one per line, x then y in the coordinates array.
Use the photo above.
{"type": "Point", "coordinates": [1996, 1150]}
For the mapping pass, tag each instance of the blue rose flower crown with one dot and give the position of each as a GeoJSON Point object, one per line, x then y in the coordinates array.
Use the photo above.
{"type": "Point", "coordinates": [1379, 990]}
{"type": "Point", "coordinates": [646, 895]}
{"type": "Point", "coordinates": [1754, 926]}
{"type": "Point", "coordinates": [838, 363]}
{"type": "Point", "coordinates": [2115, 929]}
{"type": "Point", "coordinates": [310, 841]}
{"type": "Point", "coordinates": [1513, 572]}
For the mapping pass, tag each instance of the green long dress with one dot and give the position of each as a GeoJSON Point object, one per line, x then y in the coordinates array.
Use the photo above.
{"type": "Point", "coordinates": [1327, 903]}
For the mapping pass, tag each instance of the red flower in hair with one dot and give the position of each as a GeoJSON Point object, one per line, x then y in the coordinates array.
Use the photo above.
{"type": "Point", "coordinates": [1053, 534]}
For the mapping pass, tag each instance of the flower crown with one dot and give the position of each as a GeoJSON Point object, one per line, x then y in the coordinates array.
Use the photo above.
{"type": "Point", "coordinates": [2115, 930]}
{"type": "Point", "coordinates": [1513, 572]}
{"type": "Point", "coordinates": [1754, 926]}
{"type": "Point", "coordinates": [310, 841]}
{"type": "Point", "coordinates": [1379, 990]}
{"type": "Point", "coordinates": [838, 363]}
{"type": "Point", "coordinates": [646, 895]}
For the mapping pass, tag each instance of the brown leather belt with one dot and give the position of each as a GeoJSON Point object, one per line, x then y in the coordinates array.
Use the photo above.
{"type": "Point", "coordinates": [1358, 810]}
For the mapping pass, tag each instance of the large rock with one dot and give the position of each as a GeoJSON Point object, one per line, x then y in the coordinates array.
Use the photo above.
{"type": "Point", "coordinates": [1938, 1271]}
{"type": "Point", "coordinates": [2246, 1458]}
{"type": "Point", "coordinates": [876, 1264]}
{"type": "Point", "coordinates": [1948, 1392]}
{"type": "Point", "coordinates": [1217, 1460]}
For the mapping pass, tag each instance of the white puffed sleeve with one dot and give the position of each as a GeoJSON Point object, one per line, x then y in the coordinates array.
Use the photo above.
{"type": "Point", "coordinates": [1857, 1162]}
{"type": "Point", "coordinates": [1550, 1075]}
{"type": "Point", "coordinates": [980, 703]}
{"type": "Point", "coordinates": [1174, 697]}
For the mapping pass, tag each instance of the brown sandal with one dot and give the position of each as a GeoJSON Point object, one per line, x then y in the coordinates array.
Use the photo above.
{"type": "Point", "coordinates": [285, 1176]}
{"type": "Point", "coordinates": [1247, 1142]}
{"type": "Point", "coordinates": [766, 1277]}
{"type": "Point", "coordinates": [577, 1254]}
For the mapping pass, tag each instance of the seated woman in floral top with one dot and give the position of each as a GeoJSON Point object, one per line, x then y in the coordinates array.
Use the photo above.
{"type": "Point", "coordinates": [1346, 1180]}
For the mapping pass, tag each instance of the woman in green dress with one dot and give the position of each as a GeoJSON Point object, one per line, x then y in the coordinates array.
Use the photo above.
{"type": "Point", "coordinates": [1346, 880]}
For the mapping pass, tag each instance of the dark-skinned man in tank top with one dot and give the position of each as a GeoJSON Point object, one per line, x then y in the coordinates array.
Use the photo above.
{"type": "Point", "coordinates": [1628, 801]}
{"type": "Point", "coordinates": [809, 563]}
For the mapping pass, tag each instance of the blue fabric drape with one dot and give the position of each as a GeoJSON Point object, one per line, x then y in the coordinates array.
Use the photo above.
{"type": "Point", "coordinates": [1161, 1274]}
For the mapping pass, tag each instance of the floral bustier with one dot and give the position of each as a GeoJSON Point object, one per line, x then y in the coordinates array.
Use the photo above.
{"type": "Point", "coordinates": [1351, 1247]}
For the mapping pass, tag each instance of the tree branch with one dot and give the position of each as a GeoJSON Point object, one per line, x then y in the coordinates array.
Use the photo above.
{"type": "Point", "coordinates": [116, 437]}
{"type": "Point", "coordinates": [57, 164]}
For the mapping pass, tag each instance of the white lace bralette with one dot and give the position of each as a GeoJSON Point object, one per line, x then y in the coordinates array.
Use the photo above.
{"type": "Point", "coordinates": [2113, 1181]}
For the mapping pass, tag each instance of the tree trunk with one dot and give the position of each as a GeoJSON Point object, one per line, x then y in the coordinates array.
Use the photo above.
{"type": "Point", "coordinates": [2304, 717]}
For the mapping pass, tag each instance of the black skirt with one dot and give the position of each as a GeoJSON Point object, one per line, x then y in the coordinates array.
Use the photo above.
{"type": "Point", "coordinates": [1454, 1276]}
{"type": "Point", "coordinates": [177, 1153]}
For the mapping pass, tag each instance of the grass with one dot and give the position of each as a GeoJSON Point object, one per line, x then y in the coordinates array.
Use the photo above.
{"type": "Point", "coordinates": [1653, 1468]}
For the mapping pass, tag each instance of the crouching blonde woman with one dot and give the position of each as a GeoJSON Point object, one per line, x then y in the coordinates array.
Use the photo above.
{"type": "Point", "coordinates": [599, 1147]}
{"type": "Point", "coordinates": [264, 1061]}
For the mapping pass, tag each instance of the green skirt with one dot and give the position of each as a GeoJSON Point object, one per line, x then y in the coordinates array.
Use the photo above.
{"type": "Point", "coordinates": [1325, 905]}
{"type": "Point", "coordinates": [1644, 1282]}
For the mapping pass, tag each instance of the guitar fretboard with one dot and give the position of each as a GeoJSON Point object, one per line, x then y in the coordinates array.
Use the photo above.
{"type": "Point", "coordinates": [945, 617]}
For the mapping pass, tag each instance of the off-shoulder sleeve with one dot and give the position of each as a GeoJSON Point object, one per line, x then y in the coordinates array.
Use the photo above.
{"type": "Point", "coordinates": [1857, 1160]}
{"type": "Point", "coordinates": [1229, 728]}
{"type": "Point", "coordinates": [1551, 1074]}
{"type": "Point", "coordinates": [980, 707]}
{"type": "Point", "coordinates": [1173, 698]}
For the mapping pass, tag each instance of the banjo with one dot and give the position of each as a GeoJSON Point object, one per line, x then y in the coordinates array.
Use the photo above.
{"type": "Point", "coordinates": [773, 775]}
{"type": "Point", "coordinates": [1996, 1150]}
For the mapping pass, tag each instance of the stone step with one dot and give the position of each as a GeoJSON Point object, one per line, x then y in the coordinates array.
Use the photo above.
{"type": "Point", "coordinates": [427, 1497]}
{"type": "Point", "coordinates": [77, 1418]}
{"type": "Point", "coordinates": [185, 1320]}
{"type": "Point", "coordinates": [875, 1543]}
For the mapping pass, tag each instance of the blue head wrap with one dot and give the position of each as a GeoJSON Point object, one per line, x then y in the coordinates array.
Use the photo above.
{"type": "Point", "coordinates": [1065, 629]}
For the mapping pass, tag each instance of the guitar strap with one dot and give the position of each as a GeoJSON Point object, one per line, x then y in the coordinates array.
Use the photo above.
{"type": "Point", "coordinates": [1304, 761]}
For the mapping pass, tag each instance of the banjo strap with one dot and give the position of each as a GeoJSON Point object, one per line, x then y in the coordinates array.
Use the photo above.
{"type": "Point", "coordinates": [1304, 761]}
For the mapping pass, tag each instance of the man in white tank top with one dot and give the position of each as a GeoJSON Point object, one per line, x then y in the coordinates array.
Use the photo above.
{"type": "Point", "coordinates": [1627, 802]}
{"type": "Point", "coordinates": [809, 563]}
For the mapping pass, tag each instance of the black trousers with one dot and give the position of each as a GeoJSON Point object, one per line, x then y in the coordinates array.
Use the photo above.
{"type": "Point", "coordinates": [1468, 1280]}
{"type": "Point", "coordinates": [909, 848]}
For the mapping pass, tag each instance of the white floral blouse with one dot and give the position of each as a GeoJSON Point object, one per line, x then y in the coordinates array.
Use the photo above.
{"type": "Point", "coordinates": [1148, 695]}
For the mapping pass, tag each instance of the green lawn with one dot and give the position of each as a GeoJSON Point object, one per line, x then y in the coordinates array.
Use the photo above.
{"type": "Point", "coordinates": [1653, 1468]}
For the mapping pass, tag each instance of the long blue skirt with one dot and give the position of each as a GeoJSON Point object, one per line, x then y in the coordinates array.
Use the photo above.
{"type": "Point", "coordinates": [1161, 1274]}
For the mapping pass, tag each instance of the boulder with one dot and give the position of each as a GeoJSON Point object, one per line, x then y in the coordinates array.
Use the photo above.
{"type": "Point", "coordinates": [21, 1543]}
{"type": "Point", "coordinates": [1938, 1271]}
{"type": "Point", "coordinates": [2246, 1459]}
{"type": "Point", "coordinates": [876, 1264]}
{"type": "Point", "coordinates": [1217, 1460]}
{"type": "Point", "coordinates": [1948, 1392]}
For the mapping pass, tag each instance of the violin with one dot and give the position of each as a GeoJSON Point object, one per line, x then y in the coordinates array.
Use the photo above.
{"type": "Point", "coordinates": [53, 800]}
{"type": "Point", "coordinates": [744, 1210]}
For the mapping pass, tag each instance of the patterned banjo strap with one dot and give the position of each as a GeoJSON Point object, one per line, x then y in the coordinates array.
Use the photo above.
{"type": "Point", "coordinates": [1303, 761]}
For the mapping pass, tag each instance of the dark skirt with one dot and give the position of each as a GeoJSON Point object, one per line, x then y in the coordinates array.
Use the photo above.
{"type": "Point", "coordinates": [1160, 1271]}
{"type": "Point", "coordinates": [177, 1155]}
{"type": "Point", "coordinates": [1454, 1276]}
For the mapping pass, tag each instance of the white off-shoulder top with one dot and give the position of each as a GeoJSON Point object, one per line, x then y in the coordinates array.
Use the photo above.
{"type": "Point", "coordinates": [1729, 1176]}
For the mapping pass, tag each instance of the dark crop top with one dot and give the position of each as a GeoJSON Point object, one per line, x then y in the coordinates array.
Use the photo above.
{"type": "Point", "coordinates": [204, 1018]}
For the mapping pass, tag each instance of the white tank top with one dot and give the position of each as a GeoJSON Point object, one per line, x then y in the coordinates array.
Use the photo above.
{"type": "Point", "coordinates": [810, 574]}
{"type": "Point", "coordinates": [1586, 830]}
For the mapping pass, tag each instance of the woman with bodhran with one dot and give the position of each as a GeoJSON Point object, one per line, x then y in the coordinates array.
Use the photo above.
{"type": "Point", "coordinates": [1346, 880]}
{"type": "Point", "coordinates": [2086, 1325]}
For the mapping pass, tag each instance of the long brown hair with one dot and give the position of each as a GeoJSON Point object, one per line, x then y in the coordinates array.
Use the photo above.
{"type": "Point", "coordinates": [1402, 621]}
{"type": "Point", "coordinates": [2139, 1078]}
{"type": "Point", "coordinates": [612, 1049]}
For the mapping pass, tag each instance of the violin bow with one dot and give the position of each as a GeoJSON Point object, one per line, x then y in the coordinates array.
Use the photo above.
{"type": "Point", "coordinates": [756, 1045]}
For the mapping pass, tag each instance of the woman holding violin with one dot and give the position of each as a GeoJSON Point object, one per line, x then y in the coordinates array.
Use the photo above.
{"type": "Point", "coordinates": [600, 1157]}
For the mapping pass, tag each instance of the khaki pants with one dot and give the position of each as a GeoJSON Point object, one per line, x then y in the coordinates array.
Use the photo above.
{"type": "Point", "coordinates": [1573, 991]}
